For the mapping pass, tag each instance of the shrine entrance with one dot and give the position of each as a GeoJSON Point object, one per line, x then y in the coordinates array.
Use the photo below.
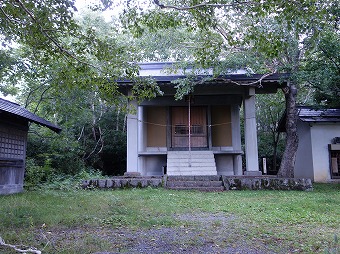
{"type": "Point", "coordinates": [187, 129]}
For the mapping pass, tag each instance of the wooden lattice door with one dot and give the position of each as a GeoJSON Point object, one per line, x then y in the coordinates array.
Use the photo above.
{"type": "Point", "coordinates": [180, 127]}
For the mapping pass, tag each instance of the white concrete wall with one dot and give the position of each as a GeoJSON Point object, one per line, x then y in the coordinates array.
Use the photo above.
{"type": "Point", "coordinates": [154, 165]}
{"type": "Point", "coordinates": [304, 162]}
{"type": "Point", "coordinates": [321, 136]}
{"type": "Point", "coordinates": [224, 164]}
{"type": "Point", "coordinates": [132, 139]}
{"type": "Point", "coordinates": [250, 134]}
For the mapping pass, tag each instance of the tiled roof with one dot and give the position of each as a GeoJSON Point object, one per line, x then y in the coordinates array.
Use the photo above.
{"type": "Point", "coordinates": [315, 115]}
{"type": "Point", "coordinates": [16, 109]}
{"type": "Point", "coordinates": [307, 114]}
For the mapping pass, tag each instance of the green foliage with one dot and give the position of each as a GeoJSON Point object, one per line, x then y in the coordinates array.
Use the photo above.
{"type": "Point", "coordinates": [186, 86]}
{"type": "Point", "coordinates": [93, 136]}
{"type": "Point", "coordinates": [322, 69]}
{"type": "Point", "coordinates": [77, 92]}
{"type": "Point", "coordinates": [46, 177]}
{"type": "Point", "coordinates": [145, 89]}
{"type": "Point", "coordinates": [269, 110]}
{"type": "Point", "coordinates": [183, 87]}
{"type": "Point", "coordinates": [6, 62]}
{"type": "Point", "coordinates": [57, 154]}
{"type": "Point", "coordinates": [35, 23]}
{"type": "Point", "coordinates": [35, 174]}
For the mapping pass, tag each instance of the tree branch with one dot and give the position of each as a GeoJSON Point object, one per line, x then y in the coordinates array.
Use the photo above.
{"type": "Point", "coordinates": [30, 93]}
{"type": "Point", "coordinates": [31, 250]}
{"type": "Point", "coordinates": [63, 51]}
{"type": "Point", "coordinates": [81, 133]}
{"type": "Point", "coordinates": [39, 135]}
{"type": "Point", "coordinates": [257, 83]}
{"type": "Point", "coordinates": [204, 4]}
{"type": "Point", "coordinates": [5, 14]}
{"type": "Point", "coordinates": [100, 140]}
{"type": "Point", "coordinates": [328, 56]}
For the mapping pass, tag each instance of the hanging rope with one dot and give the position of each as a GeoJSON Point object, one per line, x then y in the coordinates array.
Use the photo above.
{"type": "Point", "coordinates": [189, 118]}
{"type": "Point", "coordinates": [166, 125]}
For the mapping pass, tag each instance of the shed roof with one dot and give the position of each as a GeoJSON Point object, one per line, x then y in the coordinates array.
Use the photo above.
{"type": "Point", "coordinates": [308, 114]}
{"type": "Point", "coordinates": [15, 109]}
{"type": "Point", "coordinates": [313, 115]}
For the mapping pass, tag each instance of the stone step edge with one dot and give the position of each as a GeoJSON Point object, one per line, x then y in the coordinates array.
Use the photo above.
{"type": "Point", "coordinates": [193, 178]}
{"type": "Point", "coordinates": [203, 189]}
{"type": "Point", "coordinates": [194, 183]}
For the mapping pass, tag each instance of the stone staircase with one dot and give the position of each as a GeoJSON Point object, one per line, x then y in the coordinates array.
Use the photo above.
{"type": "Point", "coordinates": [195, 163]}
{"type": "Point", "coordinates": [200, 183]}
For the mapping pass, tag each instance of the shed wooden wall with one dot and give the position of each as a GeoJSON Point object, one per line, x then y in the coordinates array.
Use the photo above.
{"type": "Point", "coordinates": [13, 140]}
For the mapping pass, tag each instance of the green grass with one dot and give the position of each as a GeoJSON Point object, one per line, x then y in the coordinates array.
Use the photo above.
{"type": "Point", "coordinates": [63, 221]}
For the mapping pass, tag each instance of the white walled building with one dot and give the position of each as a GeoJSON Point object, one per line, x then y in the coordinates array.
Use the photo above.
{"type": "Point", "coordinates": [318, 155]}
{"type": "Point", "coordinates": [200, 134]}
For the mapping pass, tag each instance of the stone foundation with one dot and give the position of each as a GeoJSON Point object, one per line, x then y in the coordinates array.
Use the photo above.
{"type": "Point", "coordinates": [11, 177]}
{"type": "Point", "coordinates": [123, 182]}
{"type": "Point", "coordinates": [229, 183]}
{"type": "Point", "coordinates": [266, 183]}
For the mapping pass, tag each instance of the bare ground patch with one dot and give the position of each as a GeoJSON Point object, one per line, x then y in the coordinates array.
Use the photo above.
{"type": "Point", "coordinates": [196, 233]}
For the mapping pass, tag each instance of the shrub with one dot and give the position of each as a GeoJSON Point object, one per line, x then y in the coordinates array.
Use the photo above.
{"type": "Point", "coordinates": [37, 177]}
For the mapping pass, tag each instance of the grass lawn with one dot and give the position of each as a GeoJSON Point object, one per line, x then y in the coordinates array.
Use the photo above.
{"type": "Point", "coordinates": [91, 221]}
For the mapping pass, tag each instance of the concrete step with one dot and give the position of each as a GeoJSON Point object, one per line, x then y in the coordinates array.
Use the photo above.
{"type": "Point", "coordinates": [192, 152]}
{"type": "Point", "coordinates": [196, 163]}
{"type": "Point", "coordinates": [184, 172]}
{"type": "Point", "coordinates": [194, 178]}
{"type": "Point", "coordinates": [189, 169]}
{"type": "Point", "coordinates": [203, 189]}
{"type": "Point", "coordinates": [172, 184]}
{"type": "Point", "coordinates": [207, 183]}
{"type": "Point", "coordinates": [193, 156]}
{"type": "Point", "coordinates": [192, 159]}
{"type": "Point", "coordinates": [191, 163]}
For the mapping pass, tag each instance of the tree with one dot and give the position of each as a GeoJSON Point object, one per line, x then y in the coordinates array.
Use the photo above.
{"type": "Point", "coordinates": [39, 24]}
{"type": "Point", "coordinates": [75, 97]}
{"type": "Point", "coordinates": [323, 69]}
{"type": "Point", "coordinates": [68, 75]}
{"type": "Point", "coordinates": [85, 56]}
{"type": "Point", "coordinates": [270, 108]}
{"type": "Point", "coordinates": [278, 30]}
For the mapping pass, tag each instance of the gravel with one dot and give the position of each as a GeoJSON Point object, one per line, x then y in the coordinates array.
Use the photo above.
{"type": "Point", "coordinates": [200, 233]}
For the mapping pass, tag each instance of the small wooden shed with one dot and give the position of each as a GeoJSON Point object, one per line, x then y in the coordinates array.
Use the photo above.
{"type": "Point", "coordinates": [14, 121]}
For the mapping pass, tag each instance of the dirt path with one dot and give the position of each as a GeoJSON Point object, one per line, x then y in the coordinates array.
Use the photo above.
{"type": "Point", "coordinates": [200, 233]}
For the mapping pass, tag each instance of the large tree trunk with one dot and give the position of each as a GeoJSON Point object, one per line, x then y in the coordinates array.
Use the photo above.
{"type": "Point", "coordinates": [292, 140]}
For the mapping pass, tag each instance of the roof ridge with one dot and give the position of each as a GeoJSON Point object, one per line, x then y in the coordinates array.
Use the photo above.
{"type": "Point", "coordinates": [10, 102]}
{"type": "Point", "coordinates": [16, 109]}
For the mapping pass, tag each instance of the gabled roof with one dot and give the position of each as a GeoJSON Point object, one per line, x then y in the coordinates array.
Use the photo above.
{"type": "Point", "coordinates": [166, 72]}
{"type": "Point", "coordinates": [15, 109]}
{"type": "Point", "coordinates": [313, 115]}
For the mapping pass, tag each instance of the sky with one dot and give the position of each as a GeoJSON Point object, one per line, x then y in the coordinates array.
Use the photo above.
{"type": "Point", "coordinates": [81, 5]}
